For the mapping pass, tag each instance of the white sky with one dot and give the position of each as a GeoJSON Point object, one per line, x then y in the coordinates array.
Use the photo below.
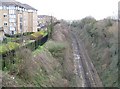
{"type": "Point", "coordinates": [75, 9]}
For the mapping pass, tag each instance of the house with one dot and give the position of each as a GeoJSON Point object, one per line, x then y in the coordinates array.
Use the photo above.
{"type": "Point", "coordinates": [44, 20]}
{"type": "Point", "coordinates": [16, 17]}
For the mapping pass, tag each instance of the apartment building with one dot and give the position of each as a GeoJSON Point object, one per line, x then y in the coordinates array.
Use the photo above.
{"type": "Point", "coordinates": [32, 21]}
{"type": "Point", "coordinates": [16, 17]}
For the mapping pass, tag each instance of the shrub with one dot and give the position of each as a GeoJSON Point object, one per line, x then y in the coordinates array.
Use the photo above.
{"type": "Point", "coordinates": [56, 49]}
{"type": "Point", "coordinates": [23, 64]}
{"type": "Point", "coordinates": [87, 20]}
{"type": "Point", "coordinates": [12, 45]}
{"type": "Point", "coordinates": [108, 22]}
{"type": "Point", "coordinates": [3, 49]}
{"type": "Point", "coordinates": [8, 47]}
{"type": "Point", "coordinates": [37, 35]}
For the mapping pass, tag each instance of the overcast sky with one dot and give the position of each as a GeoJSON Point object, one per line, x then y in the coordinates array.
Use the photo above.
{"type": "Point", "coordinates": [75, 9]}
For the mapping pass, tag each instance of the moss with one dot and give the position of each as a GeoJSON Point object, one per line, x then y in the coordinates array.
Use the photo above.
{"type": "Point", "coordinates": [37, 35]}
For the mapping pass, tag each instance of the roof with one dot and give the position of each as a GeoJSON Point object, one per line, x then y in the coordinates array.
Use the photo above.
{"type": "Point", "coordinates": [7, 1]}
{"type": "Point", "coordinates": [15, 3]}
{"type": "Point", "coordinates": [12, 3]}
{"type": "Point", "coordinates": [28, 7]}
{"type": "Point", "coordinates": [43, 16]}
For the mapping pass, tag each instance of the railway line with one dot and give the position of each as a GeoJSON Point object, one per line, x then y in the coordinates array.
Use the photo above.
{"type": "Point", "coordinates": [86, 74]}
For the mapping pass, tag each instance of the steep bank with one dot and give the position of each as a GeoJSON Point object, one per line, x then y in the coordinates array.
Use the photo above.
{"type": "Point", "coordinates": [48, 66]}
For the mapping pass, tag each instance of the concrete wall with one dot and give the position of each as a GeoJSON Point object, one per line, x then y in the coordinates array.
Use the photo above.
{"type": "Point", "coordinates": [35, 21]}
{"type": "Point", "coordinates": [25, 21]}
{"type": "Point", "coordinates": [19, 15]}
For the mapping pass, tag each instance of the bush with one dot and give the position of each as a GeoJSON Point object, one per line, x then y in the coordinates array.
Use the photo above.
{"type": "Point", "coordinates": [87, 20]}
{"type": "Point", "coordinates": [37, 35]}
{"type": "Point", "coordinates": [108, 22]}
{"type": "Point", "coordinates": [3, 49]}
{"type": "Point", "coordinates": [56, 49]}
{"type": "Point", "coordinates": [23, 64]}
{"type": "Point", "coordinates": [8, 47]}
{"type": "Point", "coordinates": [12, 45]}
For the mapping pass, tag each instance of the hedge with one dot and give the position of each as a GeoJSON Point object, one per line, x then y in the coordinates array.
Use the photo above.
{"type": "Point", "coordinates": [4, 48]}
{"type": "Point", "coordinates": [37, 35]}
{"type": "Point", "coordinates": [7, 51]}
{"type": "Point", "coordinates": [19, 34]}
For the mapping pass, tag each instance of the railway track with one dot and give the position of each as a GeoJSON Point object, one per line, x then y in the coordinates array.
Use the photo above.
{"type": "Point", "coordinates": [86, 74]}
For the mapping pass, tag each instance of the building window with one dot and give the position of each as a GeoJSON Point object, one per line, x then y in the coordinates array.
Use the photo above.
{"type": "Point", "coordinates": [12, 20]}
{"type": "Point", "coordinates": [5, 24]}
{"type": "Point", "coordinates": [20, 19]}
{"type": "Point", "coordinates": [12, 28]}
{"type": "Point", "coordinates": [4, 7]}
{"type": "Point", "coordinates": [21, 26]}
{"type": "Point", "coordinates": [12, 32]}
{"type": "Point", "coordinates": [11, 11]}
{"type": "Point", "coordinates": [12, 16]}
{"type": "Point", "coordinates": [4, 15]}
{"type": "Point", "coordinates": [1, 8]}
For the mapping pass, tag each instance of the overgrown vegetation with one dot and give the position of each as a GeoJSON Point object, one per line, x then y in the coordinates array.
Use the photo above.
{"type": "Point", "coordinates": [101, 41]}
{"type": "Point", "coordinates": [56, 49]}
{"type": "Point", "coordinates": [38, 35]}
{"type": "Point", "coordinates": [11, 43]}
{"type": "Point", "coordinates": [42, 68]}
{"type": "Point", "coordinates": [47, 66]}
{"type": "Point", "coordinates": [8, 47]}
